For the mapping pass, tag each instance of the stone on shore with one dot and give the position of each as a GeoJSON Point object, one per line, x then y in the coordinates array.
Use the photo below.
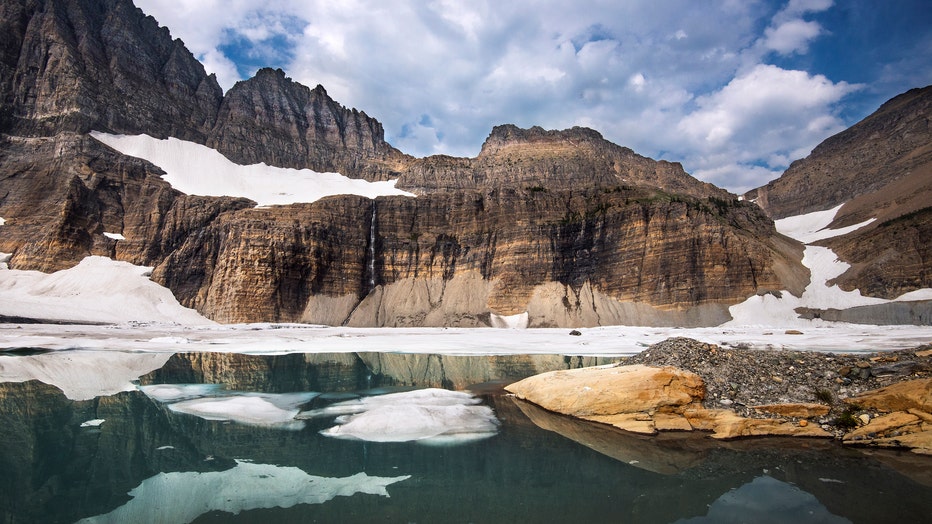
{"type": "Point", "coordinates": [644, 399]}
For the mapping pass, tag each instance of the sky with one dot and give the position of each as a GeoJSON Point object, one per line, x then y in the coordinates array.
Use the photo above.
{"type": "Point", "coordinates": [735, 90]}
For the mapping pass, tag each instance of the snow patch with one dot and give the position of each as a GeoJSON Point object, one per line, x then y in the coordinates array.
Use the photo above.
{"type": "Point", "coordinates": [114, 236]}
{"type": "Point", "coordinates": [519, 321]}
{"type": "Point", "coordinates": [176, 392]}
{"type": "Point", "coordinates": [95, 423]}
{"type": "Point", "coordinates": [199, 170]}
{"type": "Point", "coordinates": [184, 496]}
{"type": "Point", "coordinates": [5, 260]}
{"type": "Point", "coordinates": [428, 416]}
{"type": "Point", "coordinates": [98, 289]}
{"type": "Point", "coordinates": [2, 221]}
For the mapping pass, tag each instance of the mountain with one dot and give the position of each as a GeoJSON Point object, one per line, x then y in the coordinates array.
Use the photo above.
{"type": "Point", "coordinates": [555, 228]}
{"type": "Point", "coordinates": [880, 169]}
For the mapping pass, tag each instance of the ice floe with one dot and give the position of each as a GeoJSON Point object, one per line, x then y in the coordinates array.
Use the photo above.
{"type": "Point", "coordinates": [211, 402]}
{"type": "Point", "coordinates": [199, 170]}
{"type": "Point", "coordinates": [181, 497]}
{"type": "Point", "coordinates": [428, 416]}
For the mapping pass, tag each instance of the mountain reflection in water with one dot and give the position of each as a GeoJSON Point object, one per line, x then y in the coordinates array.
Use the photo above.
{"type": "Point", "coordinates": [233, 448]}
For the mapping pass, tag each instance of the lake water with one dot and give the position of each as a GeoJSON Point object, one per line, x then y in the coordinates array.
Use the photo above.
{"type": "Point", "coordinates": [360, 438]}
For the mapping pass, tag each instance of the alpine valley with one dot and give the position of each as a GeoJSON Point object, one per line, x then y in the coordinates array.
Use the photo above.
{"type": "Point", "coordinates": [274, 203]}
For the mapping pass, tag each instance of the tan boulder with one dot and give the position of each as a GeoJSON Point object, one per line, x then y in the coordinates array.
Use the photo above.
{"type": "Point", "coordinates": [726, 424]}
{"type": "Point", "coordinates": [898, 397]}
{"type": "Point", "coordinates": [643, 399]}
{"type": "Point", "coordinates": [882, 426]}
{"type": "Point", "coordinates": [795, 410]}
{"type": "Point", "coordinates": [610, 391]}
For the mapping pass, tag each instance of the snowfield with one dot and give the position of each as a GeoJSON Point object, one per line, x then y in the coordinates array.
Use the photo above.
{"type": "Point", "coordinates": [199, 170]}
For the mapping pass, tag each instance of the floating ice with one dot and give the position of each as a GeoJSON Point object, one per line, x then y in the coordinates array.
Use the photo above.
{"type": "Point", "coordinates": [178, 392]}
{"type": "Point", "coordinates": [254, 409]}
{"type": "Point", "coordinates": [183, 496]}
{"type": "Point", "coordinates": [431, 416]}
{"type": "Point", "coordinates": [199, 170]}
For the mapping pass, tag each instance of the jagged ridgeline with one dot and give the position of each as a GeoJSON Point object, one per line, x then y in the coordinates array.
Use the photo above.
{"type": "Point", "coordinates": [562, 225]}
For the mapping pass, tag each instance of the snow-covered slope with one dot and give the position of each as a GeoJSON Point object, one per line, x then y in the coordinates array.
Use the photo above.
{"type": "Point", "coordinates": [199, 170]}
{"type": "Point", "coordinates": [96, 290]}
{"type": "Point", "coordinates": [824, 265]}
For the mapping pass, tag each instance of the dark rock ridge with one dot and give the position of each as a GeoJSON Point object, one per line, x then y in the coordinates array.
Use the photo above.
{"type": "Point", "coordinates": [547, 160]}
{"type": "Point", "coordinates": [563, 225]}
{"type": "Point", "coordinates": [880, 168]}
{"type": "Point", "coordinates": [270, 118]}
{"type": "Point", "coordinates": [892, 143]}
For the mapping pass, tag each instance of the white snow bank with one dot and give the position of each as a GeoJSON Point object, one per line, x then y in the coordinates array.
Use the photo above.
{"type": "Point", "coordinates": [5, 260]}
{"type": "Point", "coordinates": [810, 227]}
{"type": "Point", "coordinates": [430, 416]}
{"type": "Point", "coordinates": [2, 221]}
{"type": "Point", "coordinates": [183, 496]}
{"type": "Point", "coordinates": [519, 321]}
{"type": "Point", "coordinates": [199, 170]}
{"type": "Point", "coordinates": [94, 423]}
{"type": "Point", "coordinates": [280, 339]}
{"type": "Point", "coordinates": [114, 236]}
{"type": "Point", "coordinates": [82, 375]}
{"type": "Point", "coordinates": [96, 290]}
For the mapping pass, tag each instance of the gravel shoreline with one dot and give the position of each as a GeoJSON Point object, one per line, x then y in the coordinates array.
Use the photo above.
{"type": "Point", "coordinates": [739, 379]}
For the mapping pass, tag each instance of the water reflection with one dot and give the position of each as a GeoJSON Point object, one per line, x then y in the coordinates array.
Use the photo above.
{"type": "Point", "coordinates": [202, 427]}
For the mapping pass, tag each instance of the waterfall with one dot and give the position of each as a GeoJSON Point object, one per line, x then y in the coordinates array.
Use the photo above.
{"type": "Point", "coordinates": [371, 255]}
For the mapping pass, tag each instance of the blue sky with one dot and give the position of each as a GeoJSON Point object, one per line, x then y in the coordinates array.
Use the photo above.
{"type": "Point", "coordinates": [733, 89]}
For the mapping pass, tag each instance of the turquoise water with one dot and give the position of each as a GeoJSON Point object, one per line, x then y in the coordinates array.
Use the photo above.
{"type": "Point", "coordinates": [157, 457]}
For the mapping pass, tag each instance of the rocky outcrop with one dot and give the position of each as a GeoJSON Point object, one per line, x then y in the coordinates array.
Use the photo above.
{"type": "Point", "coordinates": [893, 142]}
{"type": "Point", "coordinates": [540, 160]}
{"type": "Point", "coordinates": [270, 118]}
{"type": "Point", "coordinates": [644, 399]}
{"type": "Point", "coordinates": [649, 399]}
{"type": "Point", "coordinates": [905, 418]}
{"type": "Point", "coordinates": [76, 66]}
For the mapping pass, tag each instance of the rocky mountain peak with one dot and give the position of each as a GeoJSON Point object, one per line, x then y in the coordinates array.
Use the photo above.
{"type": "Point", "coordinates": [70, 65]}
{"type": "Point", "coordinates": [273, 119]}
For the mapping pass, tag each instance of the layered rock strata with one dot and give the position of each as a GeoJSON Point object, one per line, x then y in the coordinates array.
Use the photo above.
{"type": "Point", "coordinates": [570, 258]}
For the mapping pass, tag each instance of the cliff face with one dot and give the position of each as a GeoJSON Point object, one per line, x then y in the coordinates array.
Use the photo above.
{"type": "Point", "coordinates": [453, 258]}
{"type": "Point", "coordinates": [77, 66]}
{"type": "Point", "coordinates": [563, 225]}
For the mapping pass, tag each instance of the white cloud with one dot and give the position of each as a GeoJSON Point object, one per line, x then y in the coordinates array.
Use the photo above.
{"type": "Point", "coordinates": [791, 37]}
{"type": "Point", "coordinates": [681, 80]}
